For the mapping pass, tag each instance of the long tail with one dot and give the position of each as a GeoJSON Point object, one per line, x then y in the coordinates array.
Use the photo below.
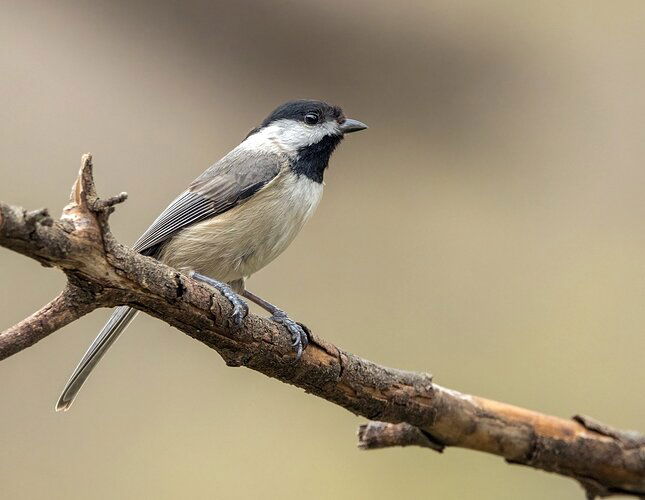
{"type": "Point", "coordinates": [118, 322]}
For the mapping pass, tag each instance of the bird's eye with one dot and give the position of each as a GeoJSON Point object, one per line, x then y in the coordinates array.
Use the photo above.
{"type": "Point", "coordinates": [311, 118]}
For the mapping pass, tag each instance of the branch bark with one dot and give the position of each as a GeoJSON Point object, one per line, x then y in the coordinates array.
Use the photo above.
{"type": "Point", "coordinates": [68, 306]}
{"type": "Point", "coordinates": [410, 408]}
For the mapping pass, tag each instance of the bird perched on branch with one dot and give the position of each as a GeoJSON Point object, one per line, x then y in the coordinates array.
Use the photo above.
{"type": "Point", "coordinates": [238, 216]}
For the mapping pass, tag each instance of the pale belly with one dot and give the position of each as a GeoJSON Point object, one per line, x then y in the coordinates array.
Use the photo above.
{"type": "Point", "coordinates": [238, 243]}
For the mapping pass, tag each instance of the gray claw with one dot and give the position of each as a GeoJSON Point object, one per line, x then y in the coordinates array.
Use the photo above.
{"type": "Point", "coordinates": [240, 311]}
{"type": "Point", "coordinates": [240, 308]}
{"type": "Point", "coordinates": [305, 338]}
{"type": "Point", "coordinates": [299, 337]}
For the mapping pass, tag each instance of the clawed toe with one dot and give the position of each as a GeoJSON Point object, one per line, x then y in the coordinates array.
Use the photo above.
{"type": "Point", "coordinates": [240, 311]}
{"type": "Point", "coordinates": [299, 337]}
{"type": "Point", "coordinates": [240, 308]}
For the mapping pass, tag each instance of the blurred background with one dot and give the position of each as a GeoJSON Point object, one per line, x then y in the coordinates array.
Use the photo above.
{"type": "Point", "coordinates": [488, 228]}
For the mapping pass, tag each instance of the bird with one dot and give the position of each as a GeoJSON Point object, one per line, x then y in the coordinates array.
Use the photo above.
{"type": "Point", "coordinates": [238, 216]}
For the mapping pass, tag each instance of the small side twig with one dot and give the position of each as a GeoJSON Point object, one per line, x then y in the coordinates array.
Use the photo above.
{"type": "Point", "coordinates": [374, 435]}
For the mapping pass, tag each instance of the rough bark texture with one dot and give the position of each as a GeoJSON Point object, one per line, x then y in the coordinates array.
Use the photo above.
{"type": "Point", "coordinates": [374, 435]}
{"type": "Point", "coordinates": [68, 306]}
{"type": "Point", "coordinates": [410, 407]}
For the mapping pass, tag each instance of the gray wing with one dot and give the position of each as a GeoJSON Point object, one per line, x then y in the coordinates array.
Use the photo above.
{"type": "Point", "coordinates": [226, 184]}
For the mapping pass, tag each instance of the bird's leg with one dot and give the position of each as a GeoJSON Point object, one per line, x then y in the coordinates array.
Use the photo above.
{"type": "Point", "coordinates": [298, 332]}
{"type": "Point", "coordinates": [240, 309]}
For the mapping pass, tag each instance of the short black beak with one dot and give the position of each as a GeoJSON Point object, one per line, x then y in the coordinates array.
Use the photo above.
{"type": "Point", "coordinates": [350, 125]}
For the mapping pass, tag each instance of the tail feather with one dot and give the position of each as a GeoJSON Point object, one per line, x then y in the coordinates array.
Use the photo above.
{"type": "Point", "coordinates": [120, 319]}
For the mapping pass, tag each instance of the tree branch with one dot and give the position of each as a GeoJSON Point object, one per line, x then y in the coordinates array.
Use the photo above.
{"type": "Point", "coordinates": [375, 435]}
{"type": "Point", "coordinates": [68, 306]}
{"type": "Point", "coordinates": [411, 408]}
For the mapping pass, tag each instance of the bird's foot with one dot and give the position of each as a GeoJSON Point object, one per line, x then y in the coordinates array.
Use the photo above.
{"type": "Point", "coordinates": [299, 332]}
{"type": "Point", "coordinates": [240, 308]}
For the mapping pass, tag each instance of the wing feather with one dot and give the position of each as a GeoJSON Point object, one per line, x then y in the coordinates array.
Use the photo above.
{"type": "Point", "coordinates": [184, 210]}
{"type": "Point", "coordinates": [224, 185]}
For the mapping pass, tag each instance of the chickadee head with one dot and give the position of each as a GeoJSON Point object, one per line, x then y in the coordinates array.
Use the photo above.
{"type": "Point", "coordinates": [296, 125]}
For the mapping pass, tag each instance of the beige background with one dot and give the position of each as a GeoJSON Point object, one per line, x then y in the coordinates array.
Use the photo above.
{"type": "Point", "coordinates": [488, 228]}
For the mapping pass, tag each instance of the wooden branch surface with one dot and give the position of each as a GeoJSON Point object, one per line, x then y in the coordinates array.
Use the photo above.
{"type": "Point", "coordinates": [410, 408]}
{"type": "Point", "coordinates": [62, 310]}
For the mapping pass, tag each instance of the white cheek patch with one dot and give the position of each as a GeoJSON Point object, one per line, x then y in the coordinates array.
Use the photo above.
{"type": "Point", "coordinates": [290, 135]}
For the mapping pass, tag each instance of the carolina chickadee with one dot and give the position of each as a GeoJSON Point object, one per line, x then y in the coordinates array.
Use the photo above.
{"type": "Point", "coordinates": [238, 216]}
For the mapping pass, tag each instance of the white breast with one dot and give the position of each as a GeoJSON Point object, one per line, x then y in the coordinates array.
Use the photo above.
{"type": "Point", "coordinates": [243, 240]}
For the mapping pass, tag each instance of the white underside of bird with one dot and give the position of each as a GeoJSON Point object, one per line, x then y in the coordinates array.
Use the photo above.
{"type": "Point", "coordinates": [241, 241]}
